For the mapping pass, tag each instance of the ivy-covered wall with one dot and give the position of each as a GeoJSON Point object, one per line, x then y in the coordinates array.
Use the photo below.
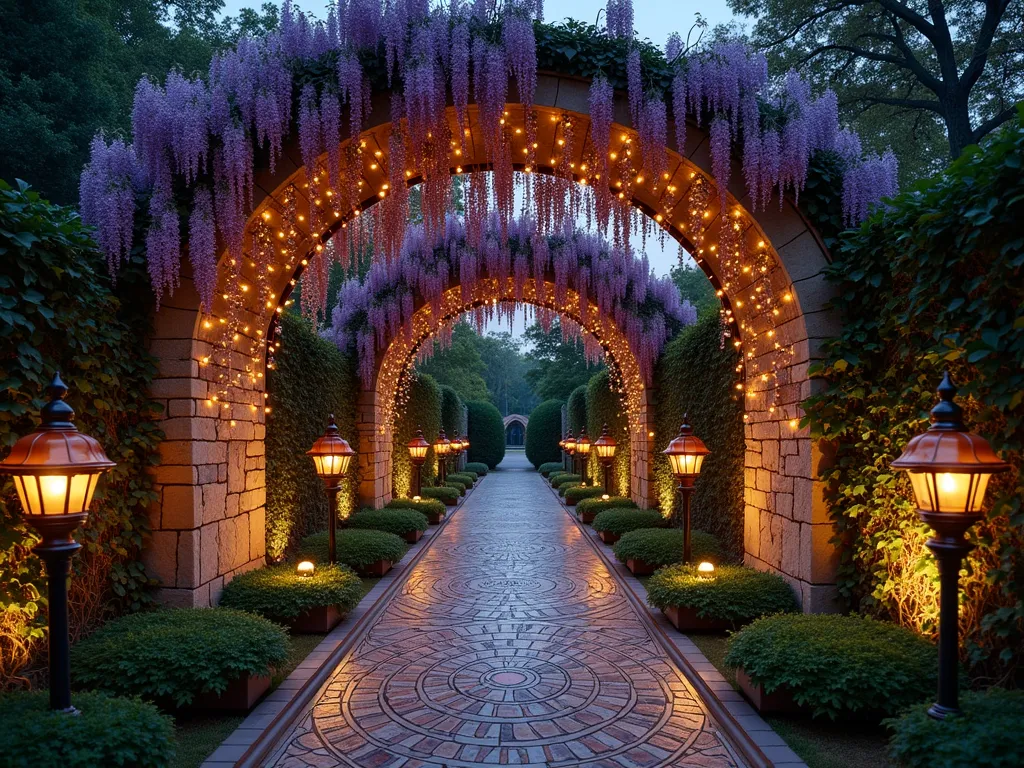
{"type": "Point", "coordinates": [934, 282]}
{"type": "Point", "coordinates": [576, 410]}
{"type": "Point", "coordinates": [453, 412]}
{"type": "Point", "coordinates": [422, 410]}
{"type": "Point", "coordinates": [696, 375]}
{"type": "Point", "coordinates": [486, 433]}
{"type": "Point", "coordinates": [310, 381]}
{"type": "Point", "coordinates": [605, 407]}
{"type": "Point", "coordinates": [544, 433]}
{"type": "Point", "coordinates": [59, 312]}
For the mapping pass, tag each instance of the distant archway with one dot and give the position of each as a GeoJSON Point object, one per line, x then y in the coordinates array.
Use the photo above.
{"type": "Point", "coordinates": [515, 430]}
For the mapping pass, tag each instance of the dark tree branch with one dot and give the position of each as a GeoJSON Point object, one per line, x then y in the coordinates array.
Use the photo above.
{"type": "Point", "coordinates": [916, 20]}
{"type": "Point", "coordinates": [992, 123]}
{"type": "Point", "coordinates": [994, 11]}
{"type": "Point", "coordinates": [894, 101]}
{"type": "Point", "coordinates": [803, 25]}
{"type": "Point", "coordinates": [927, 79]}
{"type": "Point", "coordinates": [863, 53]}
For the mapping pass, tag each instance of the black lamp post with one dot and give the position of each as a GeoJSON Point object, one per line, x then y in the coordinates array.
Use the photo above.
{"type": "Point", "coordinates": [56, 470]}
{"type": "Point", "coordinates": [686, 454]}
{"type": "Point", "coordinates": [418, 448]}
{"type": "Point", "coordinates": [568, 448]}
{"type": "Point", "coordinates": [605, 446]}
{"type": "Point", "coordinates": [583, 451]}
{"type": "Point", "coordinates": [331, 455]}
{"type": "Point", "coordinates": [949, 470]}
{"type": "Point", "coordinates": [442, 448]}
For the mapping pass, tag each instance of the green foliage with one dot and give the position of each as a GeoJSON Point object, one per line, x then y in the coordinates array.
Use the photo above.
{"type": "Point", "coordinates": [566, 487]}
{"type": "Point", "coordinates": [397, 521]}
{"type": "Point", "coordinates": [453, 413]}
{"type": "Point", "coordinates": [573, 495]}
{"type": "Point", "coordinates": [697, 375]}
{"type": "Point", "coordinates": [695, 287]}
{"type": "Point", "coordinates": [355, 547]}
{"type": "Point", "coordinates": [279, 593]}
{"type": "Point", "coordinates": [576, 410]}
{"type": "Point", "coordinates": [599, 505]}
{"type": "Point", "coordinates": [735, 592]}
{"type": "Point", "coordinates": [425, 506]}
{"type": "Point", "coordinates": [549, 467]}
{"type": "Point", "coordinates": [836, 665]}
{"type": "Point", "coordinates": [557, 481]}
{"type": "Point", "coordinates": [59, 312]}
{"type": "Point", "coordinates": [422, 411]}
{"type": "Point", "coordinates": [605, 407]}
{"type": "Point", "coordinates": [445, 494]}
{"type": "Point", "coordinates": [623, 520]}
{"type": "Point", "coordinates": [462, 477]}
{"type": "Point", "coordinates": [459, 365]}
{"type": "Point", "coordinates": [935, 281]}
{"type": "Point", "coordinates": [107, 731]}
{"type": "Point", "coordinates": [486, 434]}
{"type": "Point", "coordinates": [664, 546]}
{"type": "Point", "coordinates": [544, 433]}
{"type": "Point", "coordinates": [174, 655]}
{"type": "Point", "coordinates": [460, 487]}
{"type": "Point", "coordinates": [505, 373]}
{"type": "Point", "coordinates": [557, 366]}
{"type": "Point", "coordinates": [310, 380]}
{"type": "Point", "coordinates": [986, 736]}
{"type": "Point", "coordinates": [477, 466]}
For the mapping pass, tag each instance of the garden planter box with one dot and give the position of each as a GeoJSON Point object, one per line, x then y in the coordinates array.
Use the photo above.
{"type": "Point", "coordinates": [317, 620]}
{"type": "Point", "coordinates": [641, 567]}
{"type": "Point", "coordinates": [435, 518]}
{"type": "Point", "coordinates": [608, 537]}
{"type": "Point", "coordinates": [241, 695]}
{"type": "Point", "coordinates": [453, 502]}
{"type": "Point", "coordinates": [779, 700]}
{"type": "Point", "coordinates": [378, 568]}
{"type": "Point", "coordinates": [687, 620]}
{"type": "Point", "coordinates": [413, 536]}
{"type": "Point", "coordinates": [587, 517]}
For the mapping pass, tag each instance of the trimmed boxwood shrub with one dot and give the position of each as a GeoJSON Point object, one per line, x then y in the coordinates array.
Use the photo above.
{"type": "Point", "coordinates": [477, 466]}
{"type": "Point", "coordinates": [664, 546]}
{"type": "Point", "coordinates": [622, 521]}
{"type": "Point", "coordinates": [988, 733]}
{"type": "Point", "coordinates": [424, 505]}
{"type": "Point", "coordinates": [393, 520]}
{"type": "Point", "coordinates": [279, 593]}
{"type": "Point", "coordinates": [486, 433]}
{"type": "Point", "coordinates": [599, 505]}
{"type": "Point", "coordinates": [445, 494]}
{"type": "Point", "coordinates": [460, 487]}
{"type": "Point", "coordinates": [422, 410]}
{"type": "Point", "coordinates": [174, 655]}
{"type": "Point", "coordinates": [107, 731]}
{"type": "Point", "coordinates": [550, 467]}
{"type": "Point", "coordinates": [356, 547]}
{"type": "Point", "coordinates": [565, 477]}
{"type": "Point", "coordinates": [837, 664]}
{"type": "Point", "coordinates": [735, 593]}
{"type": "Point", "coordinates": [574, 495]}
{"type": "Point", "coordinates": [461, 477]}
{"type": "Point", "coordinates": [544, 433]}
{"type": "Point", "coordinates": [563, 487]}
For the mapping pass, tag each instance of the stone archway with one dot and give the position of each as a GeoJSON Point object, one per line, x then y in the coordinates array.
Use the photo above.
{"type": "Point", "coordinates": [208, 524]}
{"type": "Point", "coordinates": [519, 423]}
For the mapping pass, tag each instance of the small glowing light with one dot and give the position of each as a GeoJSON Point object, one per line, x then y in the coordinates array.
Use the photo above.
{"type": "Point", "coordinates": [605, 497]}
{"type": "Point", "coordinates": [416, 498]}
{"type": "Point", "coordinates": [706, 570]}
{"type": "Point", "coordinates": [305, 568]}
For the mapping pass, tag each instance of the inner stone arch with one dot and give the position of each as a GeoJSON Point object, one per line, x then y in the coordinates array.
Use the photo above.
{"type": "Point", "coordinates": [515, 430]}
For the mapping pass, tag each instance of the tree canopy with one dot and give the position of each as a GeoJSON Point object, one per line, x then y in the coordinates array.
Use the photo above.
{"type": "Point", "coordinates": [557, 366]}
{"type": "Point", "coordinates": [459, 366]}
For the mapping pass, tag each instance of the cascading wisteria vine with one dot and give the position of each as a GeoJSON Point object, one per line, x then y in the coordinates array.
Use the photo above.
{"type": "Point", "coordinates": [615, 285]}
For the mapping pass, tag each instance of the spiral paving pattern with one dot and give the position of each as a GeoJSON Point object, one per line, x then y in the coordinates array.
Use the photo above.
{"type": "Point", "coordinates": [510, 643]}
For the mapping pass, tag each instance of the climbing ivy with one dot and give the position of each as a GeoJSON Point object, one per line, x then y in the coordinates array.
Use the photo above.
{"type": "Point", "coordinates": [422, 410]}
{"type": "Point", "coordinates": [605, 407]}
{"type": "Point", "coordinates": [576, 410]}
{"type": "Point", "coordinates": [933, 282]}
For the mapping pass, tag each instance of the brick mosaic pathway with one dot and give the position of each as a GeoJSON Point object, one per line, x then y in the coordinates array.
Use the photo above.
{"type": "Point", "coordinates": [510, 644]}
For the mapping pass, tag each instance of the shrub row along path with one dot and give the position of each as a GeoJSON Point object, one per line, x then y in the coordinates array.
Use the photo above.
{"type": "Point", "coordinates": [511, 643]}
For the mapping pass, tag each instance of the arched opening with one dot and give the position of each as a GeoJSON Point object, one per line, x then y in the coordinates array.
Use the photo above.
{"type": "Point", "coordinates": [211, 479]}
{"type": "Point", "coordinates": [515, 430]}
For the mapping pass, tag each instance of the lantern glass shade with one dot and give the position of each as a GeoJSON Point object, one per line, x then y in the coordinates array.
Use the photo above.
{"type": "Point", "coordinates": [686, 463]}
{"type": "Point", "coordinates": [331, 453]}
{"type": "Point", "coordinates": [686, 453]}
{"type": "Point", "coordinates": [443, 446]}
{"type": "Point", "coordinates": [583, 444]}
{"type": "Point", "coordinates": [418, 448]}
{"type": "Point", "coordinates": [949, 491]}
{"type": "Point", "coordinates": [605, 445]}
{"type": "Point", "coordinates": [570, 446]}
{"type": "Point", "coordinates": [56, 494]}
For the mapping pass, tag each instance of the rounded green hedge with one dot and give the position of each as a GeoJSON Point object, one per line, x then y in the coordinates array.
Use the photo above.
{"type": "Point", "coordinates": [664, 546]}
{"type": "Point", "coordinates": [460, 487]}
{"type": "Point", "coordinates": [574, 495]}
{"type": "Point", "coordinates": [462, 477]}
{"type": "Point", "coordinates": [108, 731]}
{"type": "Point", "coordinates": [174, 655]}
{"type": "Point", "coordinates": [451, 411]}
{"type": "Point", "coordinates": [837, 664]}
{"type": "Point", "coordinates": [988, 733]}
{"type": "Point", "coordinates": [355, 547]}
{"type": "Point", "coordinates": [477, 466]}
{"type": "Point", "coordinates": [563, 488]}
{"type": "Point", "coordinates": [576, 410]}
{"type": "Point", "coordinates": [565, 477]}
{"type": "Point", "coordinates": [486, 433]}
{"type": "Point", "coordinates": [735, 592]}
{"type": "Point", "coordinates": [550, 467]}
{"type": "Point", "coordinates": [599, 505]}
{"type": "Point", "coordinates": [393, 520]}
{"type": "Point", "coordinates": [279, 593]}
{"type": "Point", "coordinates": [444, 494]}
{"type": "Point", "coordinates": [544, 433]}
{"type": "Point", "coordinates": [424, 505]}
{"type": "Point", "coordinates": [622, 521]}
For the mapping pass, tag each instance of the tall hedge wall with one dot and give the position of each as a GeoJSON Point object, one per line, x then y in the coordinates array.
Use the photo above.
{"type": "Point", "coordinates": [696, 375]}
{"type": "Point", "coordinates": [486, 433]}
{"type": "Point", "coordinates": [453, 412]}
{"type": "Point", "coordinates": [576, 409]}
{"type": "Point", "coordinates": [422, 410]}
{"type": "Point", "coordinates": [544, 432]}
{"type": "Point", "coordinates": [604, 407]}
{"type": "Point", "coordinates": [310, 381]}
{"type": "Point", "coordinates": [935, 281]}
{"type": "Point", "coordinates": [59, 312]}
